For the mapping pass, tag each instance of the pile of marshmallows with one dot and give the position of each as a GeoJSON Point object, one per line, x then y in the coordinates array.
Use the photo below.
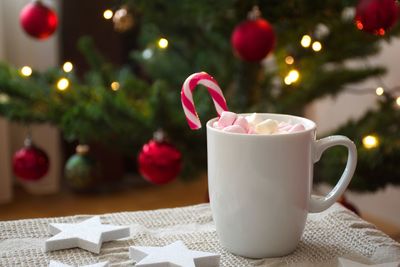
{"type": "Point", "coordinates": [254, 124]}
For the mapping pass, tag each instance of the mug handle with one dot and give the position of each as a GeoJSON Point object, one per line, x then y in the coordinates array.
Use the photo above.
{"type": "Point", "coordinates": [318, 203]}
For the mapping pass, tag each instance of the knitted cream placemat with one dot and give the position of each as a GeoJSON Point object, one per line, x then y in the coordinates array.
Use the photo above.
{"type": "Point", "coordinates": [337, 232]}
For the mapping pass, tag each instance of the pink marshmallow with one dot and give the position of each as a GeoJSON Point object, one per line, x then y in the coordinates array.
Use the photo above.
{"type": "Point", "coordinates": [242, 122]}
{"type": "Point", "coordinates": [283, 124]}
{"type": "Point", "coordinates": [280, 131]}
{"type": "Point", "coordinates": [285, 128]}
{"type": "Point", "coordinates": [297, 128]}
{"type": "Point", "coordinates": [232, 123]}
{"type": "Point", "coordinates": [227, 119]}
{"type": "Point", "coordinates": [234, 129]}
{"type": "Point", "coordinates": [216, 126]}
{"type": "Point", "coordinates": [251, 130]}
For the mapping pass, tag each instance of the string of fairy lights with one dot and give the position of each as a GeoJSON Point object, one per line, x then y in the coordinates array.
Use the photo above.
{"type": "Point", "coordinates": [369, 141]}
{"type": "Point", "coordinates": [293, 74]}
{"type": "Point", "coordinates": [63, 83]}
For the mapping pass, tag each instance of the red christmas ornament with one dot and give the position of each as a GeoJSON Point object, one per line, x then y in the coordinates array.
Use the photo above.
{"type": "Point", "coordinates": [30, 163]}
{"type": "Point", "coordinates": [254, 38]}
{"type": "Point", "coordinates": [38, 20]}
{"type": "Point", "coordinates": [159, 161]}
{"type": "Point", "coordinates": [376, 16]}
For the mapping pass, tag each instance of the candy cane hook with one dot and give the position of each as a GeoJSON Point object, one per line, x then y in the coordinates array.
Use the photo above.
{"type": "Point", "coordinates": [187, 97]}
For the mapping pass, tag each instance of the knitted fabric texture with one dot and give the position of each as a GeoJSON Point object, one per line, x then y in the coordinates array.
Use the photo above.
{"type": "Point", "coordinates": [336, 232]}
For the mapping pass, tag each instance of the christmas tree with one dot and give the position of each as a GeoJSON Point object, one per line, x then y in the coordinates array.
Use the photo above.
{"type": "Point", "coordinates": [311, 43]}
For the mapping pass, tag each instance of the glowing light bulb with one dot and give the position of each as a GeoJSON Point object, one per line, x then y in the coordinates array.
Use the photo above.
{"type": "Point", "coordinates": [370, 141]}
{"type": "Point", "coordinates": [287, 80]}
{"type": "Point", "coordinates": [316, 46]}
{"type": "Point", "coordinates": [26, 71]}
{"type": "Point", "coordinates": [289, 60]}
{"type": "Point", "coordinates": [4, 98]}
{"type": "Point", "coordinates": [115, 86]}
{"type": "Point", "coordinates": [62, 84]}
{"type": "Point", "coordinates": [293, 75]}
{"type": "Point", "coordinates": [398, 100]}
{"type": "Point", "coordinates": [108, 14]}
{"type": "Point", "coordinates": [147, 53]}
{"type": "Point", "coordinates": [379, 91]}
{"type": "Point", "coordinates": [162, 43]}
{"type": "Point", "coordinates": [67, 67]}
{"type": "Point", "coordinates": [305, 41]}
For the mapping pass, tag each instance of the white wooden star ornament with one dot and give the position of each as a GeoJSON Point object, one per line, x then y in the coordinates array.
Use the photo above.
{"type": "Point", "coordinates": [175, 254]}
{"type": "Point", "coordinates": [59, 264]}
{"type": "Point", "coordinates": [89, 235]}
{"type": "Point", "coordinates": [349, 263]}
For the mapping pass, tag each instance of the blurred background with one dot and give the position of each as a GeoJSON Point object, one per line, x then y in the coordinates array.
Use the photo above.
{"type": "Point", "coordinates": [91, 114]}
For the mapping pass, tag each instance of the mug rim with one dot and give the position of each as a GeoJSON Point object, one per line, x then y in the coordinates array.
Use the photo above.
{"type": "Point", "coordinates": [307, 130]}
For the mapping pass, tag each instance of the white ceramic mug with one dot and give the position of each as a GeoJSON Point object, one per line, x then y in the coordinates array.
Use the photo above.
{"type": "Point", "coordinates": [260, 186]}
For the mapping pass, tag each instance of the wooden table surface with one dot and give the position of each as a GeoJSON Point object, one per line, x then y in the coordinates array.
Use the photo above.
{"type": "Point", "coordinates": [143, 196]}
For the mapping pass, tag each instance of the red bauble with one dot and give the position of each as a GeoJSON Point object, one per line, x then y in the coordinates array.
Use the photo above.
{"type": "Point", "coordinates": [30, 163]}
{"type": "Point", "coordinates": [38, 20]}
{"type": "Point", "coordinates": [159, 162]}
{"type": "Point", "coordinates": [253, 39]}
{"type": "Point", "coordinates": [376, 16]}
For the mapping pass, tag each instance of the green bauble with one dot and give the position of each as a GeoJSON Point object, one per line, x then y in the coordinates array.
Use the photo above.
{"type": "Point", "coordinates": [81, 170]}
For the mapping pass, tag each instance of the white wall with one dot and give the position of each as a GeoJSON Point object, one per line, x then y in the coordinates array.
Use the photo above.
{"type": "Point", "coordinates": [2, 42]}
{"type": "Point", "coordinates": [331, 112]}
{"type": "Point", "coordinates": [18, 49]}
{"type": "Point", "coordinates": [5, 161]}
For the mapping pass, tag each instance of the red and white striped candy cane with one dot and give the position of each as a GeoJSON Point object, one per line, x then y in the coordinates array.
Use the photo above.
{"type": "Point", "coordinates": [187, 97]}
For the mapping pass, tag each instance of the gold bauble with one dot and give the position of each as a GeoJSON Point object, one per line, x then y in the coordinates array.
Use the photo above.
{"type": "Point", "coordinates": [123, 20]}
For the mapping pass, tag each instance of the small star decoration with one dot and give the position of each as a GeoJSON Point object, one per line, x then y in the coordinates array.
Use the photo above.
{"type": "Point", "coordinates": [88, 235]}
{"type": "Point", "coordinates": [175, 254]}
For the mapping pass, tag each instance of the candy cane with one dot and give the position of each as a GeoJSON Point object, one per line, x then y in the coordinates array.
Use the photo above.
{"type": "Point", "coordinates": [187, 97]}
